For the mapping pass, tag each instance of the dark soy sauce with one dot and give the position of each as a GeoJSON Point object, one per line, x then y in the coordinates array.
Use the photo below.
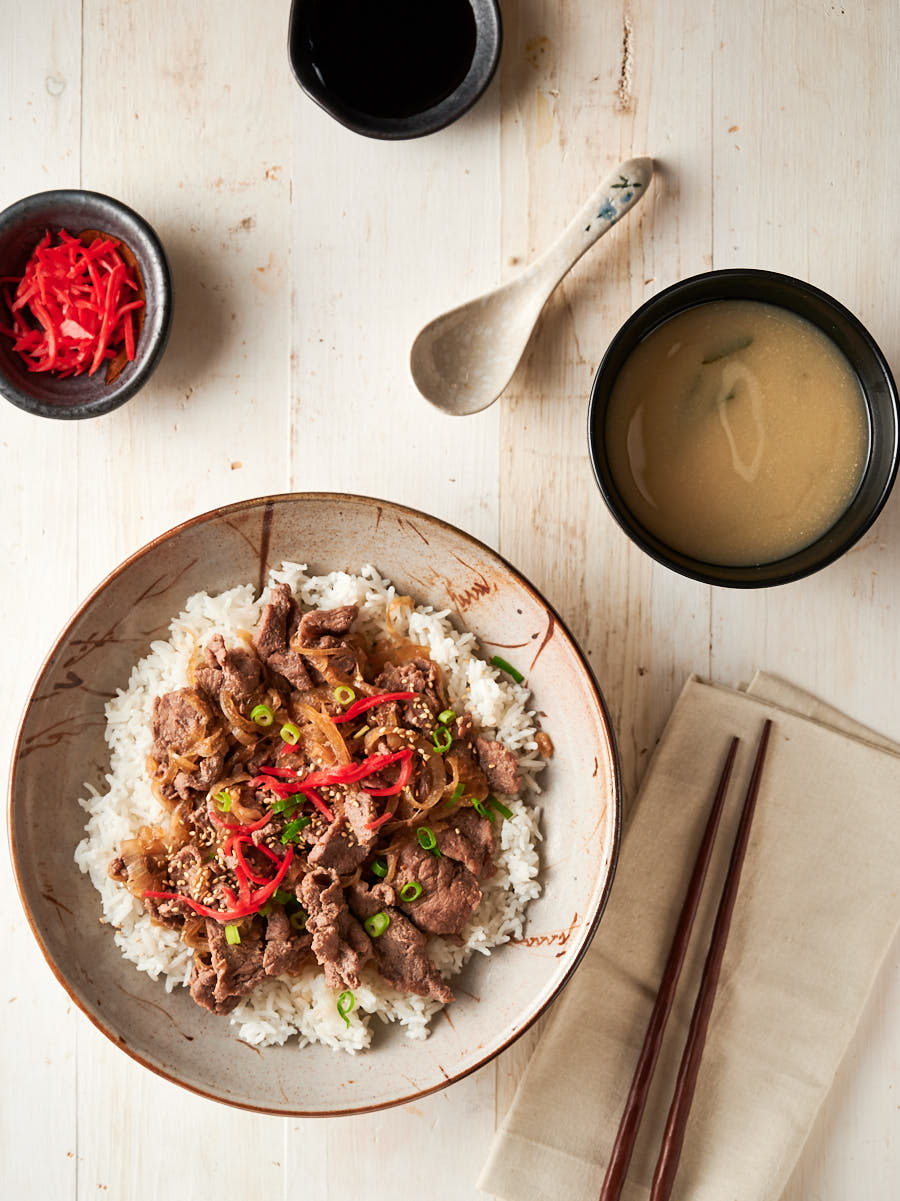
{"type": "Point", "coordinates": [389, 58]}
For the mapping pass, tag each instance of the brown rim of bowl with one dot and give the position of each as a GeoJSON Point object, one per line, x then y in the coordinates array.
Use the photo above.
{"type": "Point", "coordinates": [244, 505]}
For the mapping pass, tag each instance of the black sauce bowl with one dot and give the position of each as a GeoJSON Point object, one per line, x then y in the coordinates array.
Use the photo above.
{"type": "Point", "coordinates": [22, 226]}
{"type": "Point", "coordinates": [488, 44]}
{"type": "Point", "coordinates": [864, 356]}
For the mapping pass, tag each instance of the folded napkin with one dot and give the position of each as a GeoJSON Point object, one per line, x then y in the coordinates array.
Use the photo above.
{"type": "Point", "coordinates": [816, 912]}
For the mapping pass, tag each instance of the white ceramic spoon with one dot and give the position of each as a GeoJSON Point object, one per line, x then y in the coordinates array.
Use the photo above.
{"type": "Point", "coordinates": [464, 359]}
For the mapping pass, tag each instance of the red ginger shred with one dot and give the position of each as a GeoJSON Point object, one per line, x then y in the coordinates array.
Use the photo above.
{"type": "Point", "coordinates": [71, 310]}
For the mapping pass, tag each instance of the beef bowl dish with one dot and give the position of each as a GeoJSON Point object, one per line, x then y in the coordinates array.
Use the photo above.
{"type": "Point", "coordinates": [360, 823]}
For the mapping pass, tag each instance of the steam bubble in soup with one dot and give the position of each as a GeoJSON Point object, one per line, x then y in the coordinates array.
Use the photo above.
{"type": "Point", "coordinates": [737, 432]}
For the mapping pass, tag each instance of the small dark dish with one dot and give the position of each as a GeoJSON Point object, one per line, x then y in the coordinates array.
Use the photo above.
{"type": "Point", "coordinates": [379, 84]}
{"type": "Point", "coordinates": [867, 361]}
{"type": "Point", "coordinates": [22, 225]}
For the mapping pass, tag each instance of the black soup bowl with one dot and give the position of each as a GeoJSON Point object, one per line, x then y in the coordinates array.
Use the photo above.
{"type": "Point", "coordinates": [871, 369]}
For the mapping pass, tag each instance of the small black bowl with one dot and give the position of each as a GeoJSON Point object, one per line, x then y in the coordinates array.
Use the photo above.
{"type": "Point", "coordinates": [22, 226]}
{"type": "Point", "coordinates": [875, 379]}
{"type": "Point", "coordinates": [445, 110]}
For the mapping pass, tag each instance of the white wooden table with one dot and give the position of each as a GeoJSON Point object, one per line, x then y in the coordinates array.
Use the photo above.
{"type": "Point", "coordinates": [305, 258]}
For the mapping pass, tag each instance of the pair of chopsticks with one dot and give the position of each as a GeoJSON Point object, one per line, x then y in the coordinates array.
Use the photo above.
{"type": "Point", "coordinates": [676, 1123]}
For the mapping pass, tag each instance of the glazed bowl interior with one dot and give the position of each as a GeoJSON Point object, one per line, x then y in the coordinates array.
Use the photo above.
{"type": "Point", "coordinates": [871, 369]}
{"type": "Point", "coordinates": [22, 226]}
{"type": "Point", "coordinates": [488, 44]}
{"type": "Point", "coordinates": [62, 739]}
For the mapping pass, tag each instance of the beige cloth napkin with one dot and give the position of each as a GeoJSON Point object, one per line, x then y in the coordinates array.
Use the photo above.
{"type": "Point", "coordinates": [815, 915]}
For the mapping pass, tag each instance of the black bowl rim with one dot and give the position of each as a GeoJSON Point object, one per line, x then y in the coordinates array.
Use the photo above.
{"type": "Point", "coordinates": [616, 798]}
{"type": "Point", "coordinates": [115, 395]}
{"type": "Point", "coordinates": [488, 46]}
{"type": "Point", "coordinates": [777, 572]}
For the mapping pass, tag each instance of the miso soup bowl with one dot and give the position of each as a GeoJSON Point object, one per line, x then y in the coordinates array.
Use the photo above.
{"type": "Point", "coordinates": [875, 379]}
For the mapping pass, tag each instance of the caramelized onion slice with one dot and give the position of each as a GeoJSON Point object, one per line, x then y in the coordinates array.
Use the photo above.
{"type": "Point", "coordinates": [437, 781]}
{"type": "Point", "coordinates": [327, 728]}
{"type": "Point", "coordinates": [242, 728]}
{"type": "Point", "coordinates": [136, 855]}
{"type": "Point", "coordinates": [193, 933]}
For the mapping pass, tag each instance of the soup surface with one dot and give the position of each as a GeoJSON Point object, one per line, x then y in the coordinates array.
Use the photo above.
{"type": "Point", "coordinates": [737, 432]}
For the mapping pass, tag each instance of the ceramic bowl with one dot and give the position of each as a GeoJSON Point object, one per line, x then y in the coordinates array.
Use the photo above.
{"type": "Point", "coordinates": [22, 225]}
{"type": "Point", "coordinates": [61, 739]}
{"type": "Point", "coordinates": [486, 56]}
{"type": "Point", "coordinates": [876, 383]}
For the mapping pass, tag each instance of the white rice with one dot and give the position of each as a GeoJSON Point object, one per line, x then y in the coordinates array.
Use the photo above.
{"type": "Point", "coordinates": [304, 1005]}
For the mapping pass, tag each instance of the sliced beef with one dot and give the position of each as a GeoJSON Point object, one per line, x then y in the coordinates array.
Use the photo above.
{"type": "Point", "coordinates": [209, 770]}
{"type": "Point", "coordinates": [188, 871]}
{"type": "Point", "coordinates": [204, 979]}
{"type": "Point", "coordinates": [239, 968]}
{"type": "Point", "coordinates": [210, 680]}
{"type": "Point", "coordinates": [242, 673]}
{"type": "Point", "coordinates": [319, 622]}
{"type": "Point", "coordinates": [286, 948]}
{"type": "Point", "coordinates": [345, 843]}
{"type": "Point", "coordinates": [499, 765]}
{"type": "Point", "coordinates": [400, 951]}
{"type": "Point", "coordinates": [337, 848]}
{"type": "Point", "coordinates": [462, 727]}
{"type": "Point", "coordinates": [167, 913]}
{"type": "Point", "coordinates": [450, 892]}
{"type": "Point", "coordinates": [421, 676]}
{"type": "Point", "coordinates": [323, 629]}
{"type": "Point", "coordinates": [195, 818]}
{"type": "Point", "coordinates": [333, 667]}
{"type": "Point", "coordinates": [339, 942]}
{"type": "Point", "coordinates": [470, 839]}
{"type": "Point", "coordinates": [290, 665]}
{"type": "Point", "coordinates": [181, 720]}
{"type": "Point", "coordinates": [359, 810]}
{"type": "Point", "coordinates": [273, 634]}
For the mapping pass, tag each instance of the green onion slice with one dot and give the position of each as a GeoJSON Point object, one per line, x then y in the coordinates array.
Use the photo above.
{"type": "Point", "coordinates": [410, 891]}
{"type": "Point", "coordinates": [446, 717]}
{"type": "Point", "coordinates": [359, 733]}
{"type": "Point", "coordinates": [223, 800]}
{"type": "Point", "coordinates": [427, 840]}
{"type": "Point", "coordinates": [290, 733]}
{"type": "Point", "coordinates": [292, 829]}
{"type": "Point", "coordinates": [377, 924]}
{"type": "Point", "coordinates": [508, 668]}
{"type": "Point", "coordinates": [266, 909]}
{"type": "Point", "coordinates": [232, 935]}
{"type": "Point", "coordinates": [478, 806]}
{"type": "Point", "coordinates": [298, 920]}
{"type": "Point", "coordinates": [289, 803]}
{"type": "Point", "coordinates": [345, 1003]}
{"type": "Point", "coordinates": [282, 895]}
{"type": "Point", "coordinates": [262, 715]}
{"type": "Point", "coordinates": [499, 806]}
{"type": "Point", "coordinates": [456, 794]}
{"type": "Point", "coordinates": [379, 868]}
{"type": "Point", "coordinates": [442, 739]}
{"type": "Point", "coordinates": [344, 694]}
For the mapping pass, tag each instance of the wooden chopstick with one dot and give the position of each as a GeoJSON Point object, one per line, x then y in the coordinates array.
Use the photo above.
{"type": "Point", "coordinates": [673, 1137]}
{"type": "Point", "coordinates": [640, 1085]}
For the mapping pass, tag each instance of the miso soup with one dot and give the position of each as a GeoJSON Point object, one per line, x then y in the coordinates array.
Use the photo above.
{"type": "Point", "coordinates": [737, 432]}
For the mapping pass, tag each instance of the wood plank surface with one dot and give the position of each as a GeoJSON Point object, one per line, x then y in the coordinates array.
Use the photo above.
{"type": "Point", "coordinates": [305, 258]}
